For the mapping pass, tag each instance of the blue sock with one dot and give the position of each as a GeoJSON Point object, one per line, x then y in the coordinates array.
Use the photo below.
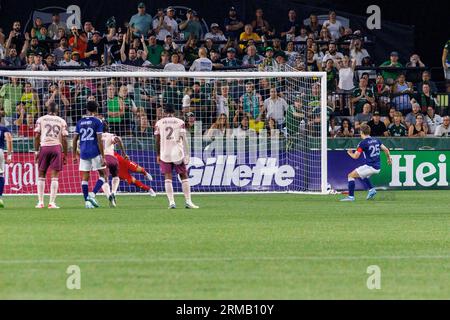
{"type": "Point", "coordinates": [2, 185]}
{"type": "Point", "coordinates": [85, 188]}
{"type": "Point", "coordinates": [351, 188]}
{"type": "Point", "coordinates": [367, 183]}
{"type": "Point", "coordinates": [98, 185]}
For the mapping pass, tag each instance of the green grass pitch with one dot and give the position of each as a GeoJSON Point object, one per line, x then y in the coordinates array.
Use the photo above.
{"type": "Point", "coordinates": [271, 246]}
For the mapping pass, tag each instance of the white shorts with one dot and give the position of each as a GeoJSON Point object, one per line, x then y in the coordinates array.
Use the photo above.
{"type": "Point", "coordinates": [93, 164]}
{"type": "Point", "coordinates": [366, 171]}
{"type": "Point", "coordinates": [2, 162]}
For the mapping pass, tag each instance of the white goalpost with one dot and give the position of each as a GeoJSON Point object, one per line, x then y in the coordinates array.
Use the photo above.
{"type": "Point", "coordinates": [248, 131]}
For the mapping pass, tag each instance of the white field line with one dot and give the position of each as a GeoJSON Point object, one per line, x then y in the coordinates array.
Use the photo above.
{"type": "Point", "coordinates": [221, 259]}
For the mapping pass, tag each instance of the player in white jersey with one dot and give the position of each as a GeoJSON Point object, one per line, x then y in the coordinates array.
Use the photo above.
{"type": "Point", "coordinates": [109, 141]}
{"type": "Point", "coordinates": [50, 145]}
{"type": "Point", "coordinates": [173, 153]}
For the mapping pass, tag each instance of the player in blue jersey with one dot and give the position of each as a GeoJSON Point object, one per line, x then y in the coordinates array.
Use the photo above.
{"type": "Point", "coordinates": [370, 148]}
{"type": "Point", "coordinates": [5, 138]}
{"type": "Point", "coordinates": [89, 131]}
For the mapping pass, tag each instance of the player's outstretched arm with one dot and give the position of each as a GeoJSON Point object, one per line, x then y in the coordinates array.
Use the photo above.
{"type": "Point", "coordinates": [387, 153]}
{"type": "Point", "coordinates": [122, 147]}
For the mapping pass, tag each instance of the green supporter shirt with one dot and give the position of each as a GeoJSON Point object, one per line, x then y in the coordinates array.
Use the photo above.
{"type": "Point", "coordinates": [359, 105]}
{"type": "Point", "coordinates": [114, 106]}
{"type": "Point", "coordinates": [9, 97]}
{"type": "Point", "coordinates": [293, 121]}
{"type": "Point", "coordinates": [332, 80]}
{"type": "Point", "coordinates": [397, 131]}
{"type": "Point", "coordinates": [390, 74]}
{"type": "Point", "coordinates": [172, 96]}
{"type": "Point", "coordinates": [154, 54]}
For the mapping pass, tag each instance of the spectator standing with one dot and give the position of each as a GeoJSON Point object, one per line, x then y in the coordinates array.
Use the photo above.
{"type": "Point", "coordinates": [95, 49]}
{"type": "Point", "coordinates": [259, 24]}
{"type": "Point", "coordinates": [251, 102]}
{"type": "Point", "coordinates": [55, 25]}
{"type": "Point", "coordinates": [357, 51]}
{"type": "Point", "coordinates": [89, 29]}
{"type": "Point", "coordinates": [202, 63]}
{"type": "Point", "coordinates": [10, 94]}
{"type": "Point", "coordinates": [291, 27]}
{"type": "Point", "coordinates": [444, 129]}
{"type": "Point", "coordinates": [160, 26]}
{"type": "Point", "coordinates": [314, 26]}
{"type": "Point", "coordinates": [432, 120]}
{"type": "Point", "coordinates": [334, 26]}
{"type": "Point", "coordinates": [133, 59]}
{"type": "Point", "coordinates": [276, 107]}
{"type": "Point", "coordinates": [391, 75]}
{"type": "Point", "coordinates": [191, 27]}
{"type": "Point", "coordinates": [154, 51]}
{"type": "Point", "coordinates": [78, 42]}
{"type": "Point", "coordinates": [446, 60]}
{"type": "Point", "coordinates": [141, 23]}
{"type": "Point", "coordinates": [233, 25]}
{"type": "Point", "coordinates": [346, 75]}
{"type": "Point", "coordinates": [16, 37]}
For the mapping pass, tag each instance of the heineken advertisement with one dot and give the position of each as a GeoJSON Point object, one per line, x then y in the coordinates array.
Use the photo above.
{"type": "Point", "coordinates": [410, 170]}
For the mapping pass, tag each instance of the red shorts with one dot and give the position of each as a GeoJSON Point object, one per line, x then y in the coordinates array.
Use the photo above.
{"type": "Point", "coordinates": [113, 165]}
{"type": "Point", "coordinates": [125, 166]}
{"type": "Point", "coordinates": [167, 167]}
{"type": "Point", "coordinates": [50, 157]}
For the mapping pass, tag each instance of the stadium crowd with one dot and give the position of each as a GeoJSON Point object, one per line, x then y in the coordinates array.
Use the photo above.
{"type": "Point", "coordinates": [396, 100]}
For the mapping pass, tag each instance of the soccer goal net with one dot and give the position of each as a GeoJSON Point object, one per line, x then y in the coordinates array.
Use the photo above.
{"type": "Point", "coordinates": [248, 131]}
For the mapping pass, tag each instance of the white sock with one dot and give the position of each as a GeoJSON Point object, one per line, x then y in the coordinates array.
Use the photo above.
{"type": "Point", "coordinates": [106, 189]}
{"type": "Point", "coordinates": [186, 190]}
{"type": "Point", "coordinates": [41, 189]}
{"type": "Point", "coordinates": [169, 190]}
{"type": "Point", "coordinates": [53, 189]}
{"type": "Point", "coordinates": [115, 184]}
